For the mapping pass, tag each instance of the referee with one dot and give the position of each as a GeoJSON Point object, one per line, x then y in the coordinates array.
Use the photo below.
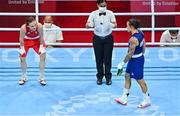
{"type": "Point", "coordinates": [102, 20]}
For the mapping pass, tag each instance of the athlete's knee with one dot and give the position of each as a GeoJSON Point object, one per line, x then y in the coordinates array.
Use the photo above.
{"type": "Point", "coordinates": [23, 59]}
{"type": "Point", "coordinates": [127, 76]}
{"type": "Point", "coordinates": [145, 84]}
{"type": "Point", "coordinates": [43, 56]}
{"type": "Point", "coordinates": [142, 82]}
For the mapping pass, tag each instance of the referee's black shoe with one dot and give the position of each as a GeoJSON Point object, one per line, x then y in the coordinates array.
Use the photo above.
{"type": "Point", "coordinates": [99, 81]}
{"type": "Point", "coordinates": [108, 82]}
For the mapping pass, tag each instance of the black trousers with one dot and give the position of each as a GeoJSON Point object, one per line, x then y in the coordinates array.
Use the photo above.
{"type": "Point", "coordinates": [103, 48]}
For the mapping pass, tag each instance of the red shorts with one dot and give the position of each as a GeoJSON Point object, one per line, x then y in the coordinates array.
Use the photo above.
{"type": "Point", "coordinates": [35, 44]}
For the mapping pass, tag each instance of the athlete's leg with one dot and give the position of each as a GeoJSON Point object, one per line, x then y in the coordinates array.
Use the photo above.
{"type": "Point", "coordinates": [124, 97]}
{"type": "Point", "coordinates": [143, 85]}
{"type": "Point", "coordinates": [127, 81]}
{"type": "Point", "coordinates": [42, 62]}
{"type": "Point", "coordinates": [144, 88]}
{"type": "Point", "coordinates": [42, 65]}
{"type": "Point", "coordinates": [23, 66]}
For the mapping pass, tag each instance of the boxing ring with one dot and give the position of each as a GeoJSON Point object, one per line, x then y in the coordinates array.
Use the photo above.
{"type": "Point", "coordinates": [71, 88]}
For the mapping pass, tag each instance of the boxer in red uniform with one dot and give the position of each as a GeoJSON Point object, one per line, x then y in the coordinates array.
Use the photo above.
{"type": "Point", "coordinates": [31, 36]}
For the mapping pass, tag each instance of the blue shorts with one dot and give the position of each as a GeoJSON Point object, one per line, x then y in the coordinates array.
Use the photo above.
{"type": "Point", "coordinates": [135, 68]}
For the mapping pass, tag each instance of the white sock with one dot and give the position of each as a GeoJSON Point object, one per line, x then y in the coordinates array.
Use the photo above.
{"type": "Point", "coordinates": [41, 75]}
{"type": "Point", "coordinates": [24, 74]}
{"type": "Point", "coordinates": [146, 95]}
{"type": "Point", "coordinates": [126, 92]}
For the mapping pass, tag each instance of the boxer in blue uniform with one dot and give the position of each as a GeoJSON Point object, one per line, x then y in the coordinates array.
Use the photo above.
{"type": "Point", "coordinates": [135, 66]}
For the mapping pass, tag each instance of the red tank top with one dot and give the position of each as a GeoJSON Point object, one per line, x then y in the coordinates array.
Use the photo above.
{"type": "Point", "coordinates": [32, 34]}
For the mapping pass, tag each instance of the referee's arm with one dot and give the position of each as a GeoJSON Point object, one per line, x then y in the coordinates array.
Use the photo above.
{"type": "Point", "coordinates": [90, 23]}
{"type": "Point", "coordinates": [113, 22]}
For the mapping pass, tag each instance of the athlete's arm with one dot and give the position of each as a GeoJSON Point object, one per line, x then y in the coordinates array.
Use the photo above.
{"type": "Point", "coordinates": [41, 33]}
{"type": "Point", "coordinates": [133, 43]}
{"type": "Point", "coordinates": [41, 48]}
{"type": "Point", "coordinates": [22, 35]}
{"type": "Point", "coordinates": [144, 46]}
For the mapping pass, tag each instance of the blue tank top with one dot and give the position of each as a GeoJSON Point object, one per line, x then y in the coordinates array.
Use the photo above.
{"type": "Point", "coordinates": [140, 37]}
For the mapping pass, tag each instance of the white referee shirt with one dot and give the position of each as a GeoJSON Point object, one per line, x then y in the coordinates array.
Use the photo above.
{"type": "Point", "coordinates": [102, 24]}
{"type": "Point", "coordinates": [52, 34]}
{"type": "Point", "coordinates": [166, 38]}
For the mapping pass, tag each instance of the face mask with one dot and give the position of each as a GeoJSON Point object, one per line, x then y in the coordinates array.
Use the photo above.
{"type": "Point", "coordinates": [102, 9]}
{"type": "Point", "coordinates": [47, 25]}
